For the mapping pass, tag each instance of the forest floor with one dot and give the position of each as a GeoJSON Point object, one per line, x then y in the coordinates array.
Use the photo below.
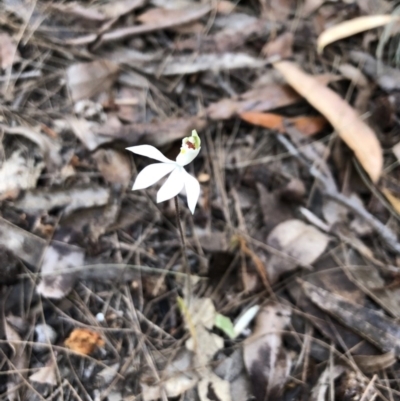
{"type": "Point", "coordinates": [288, 286]}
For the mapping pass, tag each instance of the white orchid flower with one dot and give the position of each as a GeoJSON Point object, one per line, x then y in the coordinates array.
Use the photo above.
{"type": "Point", "coordinates": [178, 178]}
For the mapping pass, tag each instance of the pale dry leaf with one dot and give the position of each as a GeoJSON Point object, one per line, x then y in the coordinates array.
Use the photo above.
{"type": "Point", "coordinates": [46, 374]}
{"type": "Point", "coordinates": [352, 27]}
{"type": "Point", "coordinates": [117, 8]}
{"type": "Point", "coordinates": [267, 362]}
{"type": "Point", "coordinates": [202, 312]}
{"type": "Point", "coordinates": [213, 388]}
{"type": "Point", "coordinates": [393, 199]}
{"type": "Point", "coordinates": [88, 131]}
{"type": "Point", "coordinates": [178, 377]}
{"type": "Point", "coordinates": [18, 172]}
{"type": "Point", "coordinates": [353, 131]}
{"type": "Point", "coordinates": [85, 80]}
{"type": "Point", "coordinates": [299, 240]}
{"type": "Point", "coordinates": [58, 258]}
{"type": "Point", "coordinates": [205, 344]}
{"type": "Point", "coordinates": [8, 51]}
{"type": "Point", "coordinates": [396, 151]}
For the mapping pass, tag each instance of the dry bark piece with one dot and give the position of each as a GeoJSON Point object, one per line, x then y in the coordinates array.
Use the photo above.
{"type": "Point", "coordinates": [182, 64]}
{"type": "Point", "coordinates": [267, 362]}
{"type": "Point", "coordinates": [302, 243]}
{"type": "Point", "coordinates": [348, 124]}
{"type": "Point", "coordinates": [26, 246]}
{"type": "Point", "coordinates": [71, 199]}
{"type": "Point", "coordinates": [58, 258]}
{"type": "Point", "coordinates": [352, 27]}
{"type": "Point", "coordinates": [84, 341]}
{"type": "Point", "coordinates": [85, 80]}
{"type": "Point", "coordinates": [370, 324]}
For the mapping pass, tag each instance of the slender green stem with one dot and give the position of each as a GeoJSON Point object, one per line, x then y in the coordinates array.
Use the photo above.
{"type": "Point", "coordinates": [184, 249]}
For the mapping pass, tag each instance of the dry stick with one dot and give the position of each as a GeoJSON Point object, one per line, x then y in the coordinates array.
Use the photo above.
{"type": "Point", "coordinates": [184, 249]}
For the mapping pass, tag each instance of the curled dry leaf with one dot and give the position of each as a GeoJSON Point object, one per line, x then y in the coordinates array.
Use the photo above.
{"type": "Point", "coordinates": [375, 363]}
{"type": "Point", "coordinates": [306, 125]}
{"type": "Point", "coordinates": [352, 27]}
{"type": "Point", "coordinates": [85, 80]}
{"type": "Point", "coordinates": [353, 131]}
{"type": "Point", "coordinates": [301, 242]}
{"type": "Point", "coordinates": [267, 362]}
{"type": "Point", "coordinates": [84, 341]}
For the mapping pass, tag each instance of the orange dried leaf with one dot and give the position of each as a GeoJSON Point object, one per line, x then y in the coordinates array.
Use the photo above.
{"type": "Point", "coordinates": [350, 127]}
{"type": "Point", "coordinates": [306, 125]}
{"type": "Point", "coordinates": [267, 120]}
{"type": "Point", "coordinates": [84, 341]}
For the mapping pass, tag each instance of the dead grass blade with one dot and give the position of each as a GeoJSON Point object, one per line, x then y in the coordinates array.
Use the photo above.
{"type": "Point", "coordinates": [355, 133]}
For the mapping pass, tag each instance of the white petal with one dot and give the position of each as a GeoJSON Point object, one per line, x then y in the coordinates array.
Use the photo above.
{"type": "Point", "coordinates": [150, 151]}
{"type": "Point", "coordinates": [172, 186]}
{"type": "Point", "coordinates": [151, 174]}
{"type": "Point", "coordinates": [192, 187]}
{"type": "Point", "coordinates": [186, 157]}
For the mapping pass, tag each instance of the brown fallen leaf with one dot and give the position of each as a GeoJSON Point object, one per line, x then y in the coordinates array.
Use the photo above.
{"type": "Point", "coordinates": [266, 360]}
{"type": "Point", "coordinates": [306, 125]}
{"type": "Point", "coordinates": [183, 16]}
{"type": "Point", "coordinates": [348, 124]}
{"type": "Point", "coordinates": [261, 99]}
{"type": "Point", "coordinates": [352, 27]}
{"type": "Point", "coordinates": [85, 80]}
{"type": "Point", "coordinates": [84, 341]}
{"type": "Point", "coordinates": [114, 166]}
{"type": "Point", "coordinates": [280, 47]}
{"type": "Point", "coordinates": [8, 51]}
